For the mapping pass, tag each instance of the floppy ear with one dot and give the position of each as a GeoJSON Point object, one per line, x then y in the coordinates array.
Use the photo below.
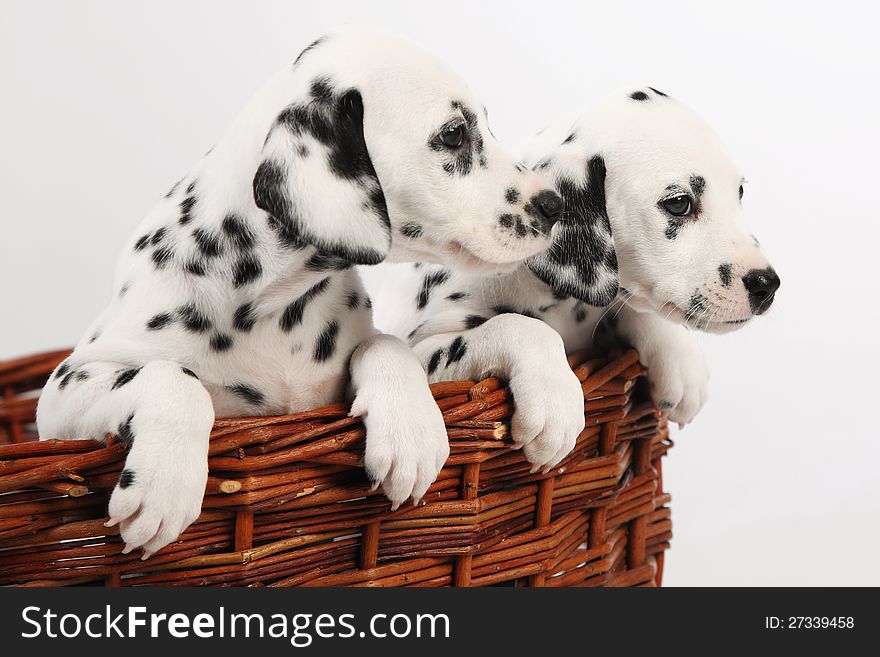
{"type": "Point", "coordinates": [317, 181]}
{"type": "Point", "coordinates": [581, 261]}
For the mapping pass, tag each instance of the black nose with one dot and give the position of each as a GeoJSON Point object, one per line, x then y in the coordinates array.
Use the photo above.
{"type": "Point", "coordinates": [761, 284]}
{"type": "Point", "coordinates": [550, 205]}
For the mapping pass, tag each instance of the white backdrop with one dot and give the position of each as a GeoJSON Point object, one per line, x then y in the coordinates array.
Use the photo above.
{"type": "Point", "coordinates": [106, 104]}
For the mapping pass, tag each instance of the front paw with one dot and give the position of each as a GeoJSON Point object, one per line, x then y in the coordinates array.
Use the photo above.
{"type": "Point", "coordinates": [679, 380]}
{"type": "Point", "coordinates": [406, 444]}
{"type": "Point", "coordinates": [159, 494]}
{"type": "Point", "coordinates": [548, 412]}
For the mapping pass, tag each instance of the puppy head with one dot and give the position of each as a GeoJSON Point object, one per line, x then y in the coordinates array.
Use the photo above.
{"type": "Point", "coordinates": [674, 203]}
{"type": "Point", "coordinates": [385, 152]}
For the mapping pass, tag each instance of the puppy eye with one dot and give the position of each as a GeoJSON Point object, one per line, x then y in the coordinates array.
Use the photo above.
{"type": "Point", "coordinates": [452, 136]}
{"type": "Point", "coordinates": [740, 192]}
{"type": "Point", "coordinates": [677, 206]}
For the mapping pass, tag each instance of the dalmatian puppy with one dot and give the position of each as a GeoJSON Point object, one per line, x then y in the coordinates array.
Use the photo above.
{"type": "Point", "coordinates": [237, 294]}
{"type": "Point", "coordinates": [642, 166]}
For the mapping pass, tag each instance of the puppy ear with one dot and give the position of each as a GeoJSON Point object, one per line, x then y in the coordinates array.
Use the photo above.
{"type": "Point", "coordinates": [317, 181]}
{"type": "Point", "coordinates": [581, 261]}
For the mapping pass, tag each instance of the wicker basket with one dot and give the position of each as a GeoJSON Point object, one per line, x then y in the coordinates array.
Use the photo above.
{"type": "Point", "coordinates": [287, 503]}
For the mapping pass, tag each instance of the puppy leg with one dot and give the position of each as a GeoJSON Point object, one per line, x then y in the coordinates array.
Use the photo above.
{"type": "Point", "coordinates": [549, 402]}
{"type": "Point", "coordinates": [163, 414]}
{"type": "Point", "coordinates": [406, 436]}
{"type": "Point", "coordinates": [678, 372]}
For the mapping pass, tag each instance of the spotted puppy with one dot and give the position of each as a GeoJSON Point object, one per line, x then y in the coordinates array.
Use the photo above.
{"type": "Point", "coordinates": [237, 296]}
{"type": "Point", "coordinates": [647, 169]}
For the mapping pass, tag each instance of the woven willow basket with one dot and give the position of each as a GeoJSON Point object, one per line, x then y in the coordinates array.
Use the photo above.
{"type": "Point", "coordinates": [287, 503]}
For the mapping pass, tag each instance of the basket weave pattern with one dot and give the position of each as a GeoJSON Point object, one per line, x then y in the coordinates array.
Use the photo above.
{"type": "Point", "coordinates": [287, 502]}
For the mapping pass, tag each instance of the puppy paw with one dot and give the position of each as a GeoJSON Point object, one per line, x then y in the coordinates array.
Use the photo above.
{"type": "Point", "coordinates": [406, 444]}
{"type": "Point", "coordinates": [678, 374]}
{"type": "Point", "coordinates": [548, 411]}
{"type": "Point", "coordinates": [159, 494]}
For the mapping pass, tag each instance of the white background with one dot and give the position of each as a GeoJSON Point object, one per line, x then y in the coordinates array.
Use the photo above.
{"type": "Point", "coordinates": [105, 104]}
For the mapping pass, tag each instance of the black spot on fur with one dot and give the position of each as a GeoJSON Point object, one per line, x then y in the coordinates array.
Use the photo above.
{"type": "Point", "coordinates": [159, 321]}
{"type": "Point", "coordinates": [63, 369]}
{"type": "Point", "coordinates": [288, 237]}
{"type": "Point", "coordinates": [321, 90]}
{"type": "Point", "coordinates": [570, 138]}
{"type": "Point", "coordinates": [194, 320]}
{"type": "Point", "coordinates": [66, 380]}
{"type": "Point", "coordinates": [430, 281]}
{"type": "Point", "coordinates": [698, 185]}
{"type": "Point", "coordinates": [674, 226]}
{"type": "Point", "coordinates": [368, 303]}
{"type": "Point", "coordinates": [293, 314]}
{"type": "Point", "coordinates": [95, 336]}
{"type": "Point", "coordinates": [142, 242]}
{"type": "Point", "coordinates": [189, 372]}
{"type": "Point", "coordinates": [244, 317]}
{"type": "Point", "coordinates": [325, 344]}
{"type": "Point", "coordinates": [434, 362]}
{"type": "Point", "coordinates": [124, 377]}
{"type": "Point", "coordinates": [473, 321]}
{"type": "Point", "coordinates": [657, 91]}
{"type": "Point", "coordinates": [457, 350]}
{"type": "Point", "coordinates": [639, 95]}
{"type": "Point", "coordinates": [195, 267]}
{"type": "Point", "coordinates": [207, 243]}
{"type": "Point", "coordinates": [505, 220]}
{"type": "Point", "coordinates": [126, 479]}
{"type": "Point", "coordinates": [319, 261]}
{"type": "Point", "coordinates": [353, 300]}
{"type": "Point", "coordinates": [411, 230]}
{"type": "Point", "coordinates": [458, 296]}
{"type": "Point", "coordinates": [725, 273]}
{"type": "Point", "coordinates": [238, 232]}
{"type": "Point", "coordinates": [248, 393]}
{"type": "Point", "coordinates": [314, 44]}
{"type": "Point", "coordinates": [698, 303]}
{"type": "Point", "coordinates": [186, 206]}
{"type": "Point", "coordinates": [161, 256]}
{"type": "Point", "coordinates": [503, 310]}
{"type": "Point", "coordinates": [221, 342]}
{"type": "Point", "coordinates": [246, 270]}
{"type": "Point", "coordinates": [413, 333]}
{"type": "Point", "coordinates": [512, 195]}
{"type": "Point", "coordinates": [158, 236]}
{"type": "Point", "coordinates": [665, 405]}
{"type": "Point", "coordinates": [125, 288]}
{"type": "Point", "coordinates": [124, 433]}
{"type": "Point", "coordinates": [579, 311]}
{"type": "Point", "coordinates": [173, 189]}
{"type": "Point", "coordinates": [270, 195]}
